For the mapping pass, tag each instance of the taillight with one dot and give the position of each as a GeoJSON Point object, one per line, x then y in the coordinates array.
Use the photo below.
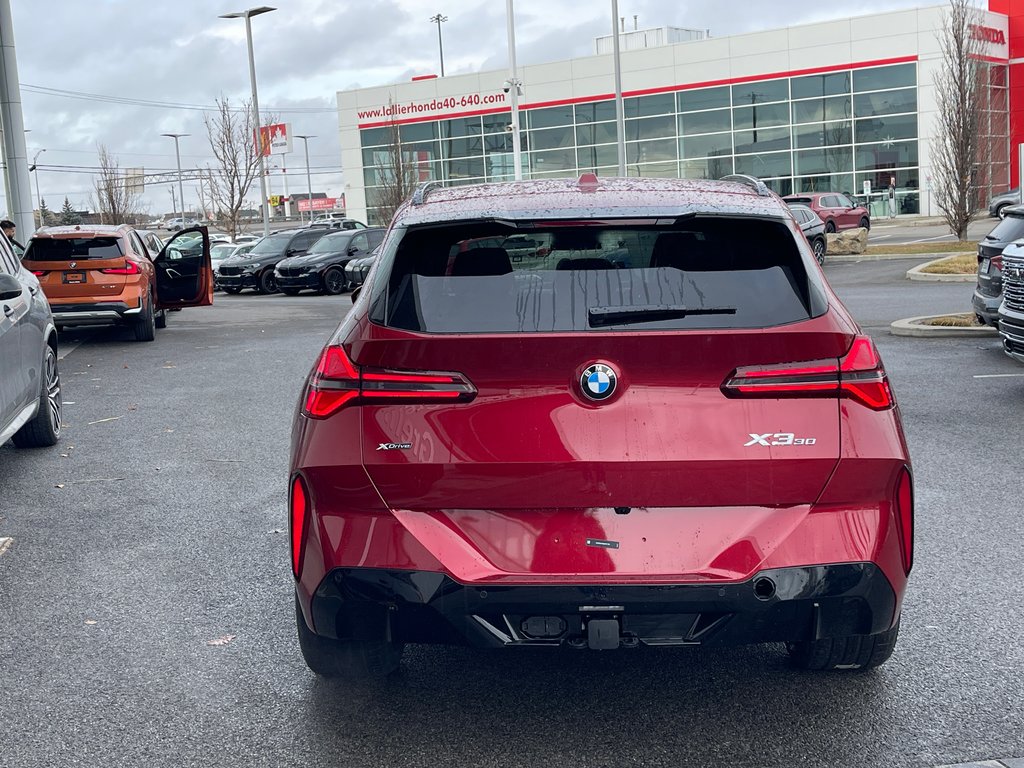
{"type": "Point", "coordinates": [336, 382]}
{"type": "Point", "coordinates": [996, 262]}
{"type": "Point", "coordinates": [858, 375]}
{"type": "Point", "coordinates": [905, 517]}
{"type": "Point", "coordinates": [38, 272]}
{"type": "Point", "coordinates": [129, 268]}
{"type": "Point", "coordinates": [299, 508]}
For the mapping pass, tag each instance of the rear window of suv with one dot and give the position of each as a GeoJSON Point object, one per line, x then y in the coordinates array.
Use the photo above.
{"type": "Point", "coordinates": [1009, 229]}
{"type": "Point", "coordinates": [550, 277]}
{"type": "Point", "coordinates": [68, 248]}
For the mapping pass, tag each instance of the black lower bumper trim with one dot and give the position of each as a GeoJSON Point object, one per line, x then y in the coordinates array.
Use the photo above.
{"type": "Point", "coordinates": [303, 281]}
{"type": "Point", "coordinates": [426, 607]}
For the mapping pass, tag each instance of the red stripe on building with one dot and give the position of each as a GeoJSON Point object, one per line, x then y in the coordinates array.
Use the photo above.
{"type": "Point", "coordinates": [651, 91]}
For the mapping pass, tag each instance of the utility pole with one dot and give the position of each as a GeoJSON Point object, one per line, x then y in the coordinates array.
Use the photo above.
{"type": "Point", "coordinates": [439, 19]}
{"type": "Point", "coordinates": [309, 181]}
{"type": "Point", "coordinates": [181, 188]}
{"type": "Point", "coordinates": [39, 200]}
{"type": "Point", "coordinates": [17, 183]}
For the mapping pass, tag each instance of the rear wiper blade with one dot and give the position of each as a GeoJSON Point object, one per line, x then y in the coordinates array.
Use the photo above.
{"type": "Point", "coordinates": [649, 313]}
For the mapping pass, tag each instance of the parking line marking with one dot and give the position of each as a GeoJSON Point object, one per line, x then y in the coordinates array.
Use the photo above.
{"type": "Point", "coordinates": [999, 375]}
{"type": "Point", "coordinates": [66, 349]}
{"type": "Point", "coordinates": [5, 543]}
{"type": "Point", "coordinates": [931, 239]}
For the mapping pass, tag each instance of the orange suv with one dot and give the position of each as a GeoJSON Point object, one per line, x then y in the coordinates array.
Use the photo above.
{"type": "Point", "coordinates": [104, 274]}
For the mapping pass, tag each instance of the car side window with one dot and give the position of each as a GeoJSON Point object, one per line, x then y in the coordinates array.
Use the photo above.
{"type": "Point", "coordinates": [306, 239]}
{"type": "Point", "coordinates": [376, 237]}
{"type": "Point", "coordinates": [8, 261]}
{"type": "Point", "coordinates": [359, 242]}
{"type": "Point", "coordinates": [136, 244]}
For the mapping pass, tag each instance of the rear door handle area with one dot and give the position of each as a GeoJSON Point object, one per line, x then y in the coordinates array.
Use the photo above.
{"type": "Point", "coordinates": [8, 310]}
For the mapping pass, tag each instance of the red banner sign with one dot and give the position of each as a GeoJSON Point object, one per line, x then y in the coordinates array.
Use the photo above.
{"type": "Point", "coordinates": [318, 204]}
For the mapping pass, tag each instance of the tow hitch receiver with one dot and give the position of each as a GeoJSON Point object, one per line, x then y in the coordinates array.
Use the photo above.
{"type": "Point", "coordinates": [603, 634]}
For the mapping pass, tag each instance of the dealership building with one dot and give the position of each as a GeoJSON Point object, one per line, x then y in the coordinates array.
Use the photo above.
{"type": "Point", "coordinates": [838, 106]}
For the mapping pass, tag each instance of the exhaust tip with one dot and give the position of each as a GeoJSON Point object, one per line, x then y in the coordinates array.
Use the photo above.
{"type": "Point", "coordinates": [764, 588]}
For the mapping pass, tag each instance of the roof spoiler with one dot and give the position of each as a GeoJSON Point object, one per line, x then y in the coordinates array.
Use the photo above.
{"type": "Point", "coordinates": [751, 181]}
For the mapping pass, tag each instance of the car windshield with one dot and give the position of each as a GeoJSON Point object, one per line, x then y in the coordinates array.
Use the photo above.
{"type": "Point", "coordinates": [219, 252]}
{"type": "Point", "coordinates": [65, 248]}
{"type": "Point", "coordinates": [1009, 229]}
{"type": "Point", "coordinates": [698, 273]}
{"type": "Point", "coordinates": [330, 243]}
{"type": "Point", "coordinates": [272, 244]}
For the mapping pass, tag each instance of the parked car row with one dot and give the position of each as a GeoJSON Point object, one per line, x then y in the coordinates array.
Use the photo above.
{"type": "Point", "coordinates": [306, 258]}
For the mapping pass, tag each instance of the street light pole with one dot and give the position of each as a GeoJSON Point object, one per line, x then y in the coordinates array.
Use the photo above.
{"type": "Point", "coordinates": [39, 200]}
{"type": "Point", "coordinates": [620, 116]}
{"type": "Point", "coordinates": [309, 181]}
{"type": "Point", "coordinates": [181, 188]}
{"type": "Point", "coordinates": [247, 15]}
{"type": "Point", "coordinates": [438, 19]}
{"type": "Point", "coordinates": [513, 90]}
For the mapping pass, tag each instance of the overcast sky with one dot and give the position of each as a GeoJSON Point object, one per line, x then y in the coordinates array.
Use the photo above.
{"type": "Point", "coordinates": [180, 53]}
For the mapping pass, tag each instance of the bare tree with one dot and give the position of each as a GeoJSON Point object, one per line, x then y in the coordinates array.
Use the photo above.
{"type": "Point", "coordinates": [115, 199]}
{"type": "Point", "coordinates": [960, 147]}
{"type": "Point", "coordinates": [232, 134]}
{"type": "Point", "coordinates": [398, 176]}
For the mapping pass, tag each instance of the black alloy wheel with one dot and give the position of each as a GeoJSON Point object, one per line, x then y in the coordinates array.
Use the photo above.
{"type": "Point", "coordinates": [44, 429]}
{"type": "Point", "coordinates": [865, 222]}
{"type": "Point", "coordinates": [830, 226]}
{"type": "Point", "coordinates": [267, 282]}
{"type": "Point", "coordinates": [145, 326]}
{"type": "Point", "coordinates": [333, 281]}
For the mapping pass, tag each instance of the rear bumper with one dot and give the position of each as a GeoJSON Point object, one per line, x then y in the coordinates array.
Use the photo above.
{"type": "Point", "coordinates": [986, 307]}
{"type": "Point", "coordinates": [775, 605]}
{"type": "Point", "coordinates": [98, 313]}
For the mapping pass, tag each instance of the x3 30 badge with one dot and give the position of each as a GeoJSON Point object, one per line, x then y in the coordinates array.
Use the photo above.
{"type": "Point", "coordinates": [770, 439]}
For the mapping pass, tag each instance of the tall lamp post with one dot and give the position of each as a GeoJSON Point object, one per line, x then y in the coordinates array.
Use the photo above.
{"type": "Point", "coordinates": [309, 181]}
{"type": "Point", "coordinates": [620, 120]}
{"type": "Point", "coordinates": [39, 200]}
{"type": "Point", "coordinates": [437, 18]}
{"type": "Point", "coordinates": [514, 89]}
{"type": "Point", "coordinates": [247, 15]}
{"type": "Point", "coordinates": [177, 155]}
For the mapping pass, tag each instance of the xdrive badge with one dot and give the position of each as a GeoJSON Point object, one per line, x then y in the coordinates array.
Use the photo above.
{"type": "Point", "coordinates": [598, 381]}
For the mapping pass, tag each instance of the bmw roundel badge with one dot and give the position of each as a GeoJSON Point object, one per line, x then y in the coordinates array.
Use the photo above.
{"type": "Point", "coordinates": [598, 381]}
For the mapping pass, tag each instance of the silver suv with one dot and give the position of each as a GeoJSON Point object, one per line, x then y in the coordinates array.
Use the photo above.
{"type": "Point", "coordinates": [30, 395]}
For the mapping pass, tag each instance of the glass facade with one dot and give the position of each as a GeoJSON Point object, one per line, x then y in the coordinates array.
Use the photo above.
{"type": "Point", "coordinates": [826, 132]}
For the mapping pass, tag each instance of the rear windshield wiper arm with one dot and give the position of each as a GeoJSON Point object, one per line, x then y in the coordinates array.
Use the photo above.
{"type": "Point", "coordinates": [649, 313]}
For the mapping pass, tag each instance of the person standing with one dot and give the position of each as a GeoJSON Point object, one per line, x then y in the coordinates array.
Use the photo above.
{"type": "Point", "coordinates": [9, 229]}
{"type": "Point", "coordinates": [892, 197]}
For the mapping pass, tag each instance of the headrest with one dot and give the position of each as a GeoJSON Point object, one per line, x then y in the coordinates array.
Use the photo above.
{"type": "Point", "coordinates": [482, 262]}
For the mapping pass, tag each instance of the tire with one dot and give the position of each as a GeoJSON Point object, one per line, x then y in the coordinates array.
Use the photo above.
{"type": "Point", "coordinates": [232, 289]}
{"type": "Point", "coordinates": [856, 652]}
{"type": "Point", "coordinates": [267, 282]}
{"type": "Point", "coordinates": [866, 223]}
{"type": "Point", "coordinates": [830, 226]}
{"type": "Point", "coordinates": [353, 659]}
{"type": "Point", "coordinates": [290, 291]}
{"type": "Point", "coordinates": [819, 247]}
{"type": "Point", "coordinates": [333, 282]}
{"type": "Point", "coordinates": [1001, 211]}
{"type": "Point", "coordinates": [145, 326]}
{"type": "Point", "coordinates": [44, 430]}
{"type": "Point", "coordinates": [161, 319]}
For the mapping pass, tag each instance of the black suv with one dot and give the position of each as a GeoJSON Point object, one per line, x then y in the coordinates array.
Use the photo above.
{"type": "Point", "coordinates": [255, 269]}
{"type": "Point", "coordinates": [30, 401]}
{"type": "Point", "coordinates": [323, 265]}
{"type": "Point", "coordinates": [989, 291]}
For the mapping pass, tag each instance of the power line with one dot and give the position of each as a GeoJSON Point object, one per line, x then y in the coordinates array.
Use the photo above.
{"type": "Point", "coordinates": [43, 90]}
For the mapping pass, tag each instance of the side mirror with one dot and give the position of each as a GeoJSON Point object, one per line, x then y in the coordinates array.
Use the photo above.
{"type": "Point", "coordinates": [352, 249]}
{"type": "Point", "coordinates": [10, 287]}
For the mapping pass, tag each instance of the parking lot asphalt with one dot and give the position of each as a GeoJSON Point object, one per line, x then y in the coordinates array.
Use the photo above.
{"type": "Point", "coordinates": [146, 610]}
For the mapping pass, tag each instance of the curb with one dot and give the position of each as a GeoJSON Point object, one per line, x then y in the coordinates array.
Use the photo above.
{"type": "Point", "coordinates": [912, 326]}
{"type": "Point", "coordinates": [917, 274]}
{"type": "Point", "coordinates": [853, 257]}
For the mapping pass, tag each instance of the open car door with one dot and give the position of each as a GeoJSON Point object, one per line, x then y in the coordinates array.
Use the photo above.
{"type": "Point", "coordinates": [184, 275]}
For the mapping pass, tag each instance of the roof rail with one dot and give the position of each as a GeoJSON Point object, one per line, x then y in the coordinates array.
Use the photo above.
{"type": "Point", "coordinates": [751, 181]}
{"type": "Point", "coordinates": [419, 196]}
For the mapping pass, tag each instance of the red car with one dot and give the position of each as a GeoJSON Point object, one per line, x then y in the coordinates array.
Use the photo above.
{"type": "Point", "coordinates": [836, 210]}
{"type": "Point", "coordinates": [657, 434]}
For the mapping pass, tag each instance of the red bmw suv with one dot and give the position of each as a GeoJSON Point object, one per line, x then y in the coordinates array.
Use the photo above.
{"type": "Point", "coordinates": [666, 430]}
